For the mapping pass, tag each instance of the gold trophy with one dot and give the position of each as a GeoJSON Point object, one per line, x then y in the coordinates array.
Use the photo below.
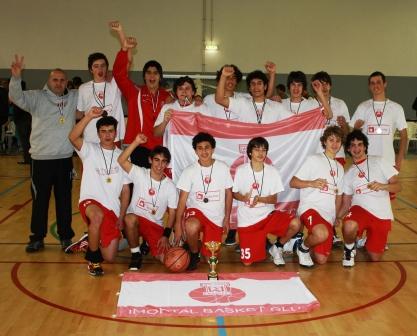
{"type": "Point", "coordinates": [213, 246]}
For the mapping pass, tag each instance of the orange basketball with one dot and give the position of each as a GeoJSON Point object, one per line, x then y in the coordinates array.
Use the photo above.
{"type": "Point", "coordinates": [176, 259]}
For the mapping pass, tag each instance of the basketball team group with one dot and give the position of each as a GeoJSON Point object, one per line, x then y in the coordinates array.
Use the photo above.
{"type": "Point", "coordinates": [126, 190]}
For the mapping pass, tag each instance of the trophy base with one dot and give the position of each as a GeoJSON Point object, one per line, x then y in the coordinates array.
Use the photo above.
{"type": "Point", "coordinates": [213, 277]}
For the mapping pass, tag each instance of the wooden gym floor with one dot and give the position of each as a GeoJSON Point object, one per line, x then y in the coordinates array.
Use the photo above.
{"type": "Point", "coordinates": [50, 293]}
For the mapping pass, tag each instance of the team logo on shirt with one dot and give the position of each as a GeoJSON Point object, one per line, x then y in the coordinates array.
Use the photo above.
{"type": "Point", "coordinates": [100, 95]}
{"type": "Point", "coordinates": [332, 173]}
{"type": "Point", "coordinates": [361, 174]}
{"type": "Point", "coordinates": [378, 114]}
{"type": "Point", "coordinates": [207, 179]}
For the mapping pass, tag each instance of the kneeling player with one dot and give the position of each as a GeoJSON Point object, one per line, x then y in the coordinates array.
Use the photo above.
{"type": "Point", "coordinates": [366, 189]}
{"type": "Point", "coordinates": [256, 187]}
{"type": "Point", "coordinates": [205, 199]}
{"type": "Point", "coordinates": [104, 193]}
{"type": "Point", "coordinates": [153, 194]}
{"type": "Point", "coordinates": [320, 180]}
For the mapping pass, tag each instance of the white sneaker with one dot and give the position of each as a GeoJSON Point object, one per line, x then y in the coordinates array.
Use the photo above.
{"type": "Point", "coordinates": [276, 253]}
{"type": "Point", "coordinates": [289, 246]}
{"type": "Point", "coordinates": [304, 258]}
{"type": "Point", "coordinates": [349, 257]}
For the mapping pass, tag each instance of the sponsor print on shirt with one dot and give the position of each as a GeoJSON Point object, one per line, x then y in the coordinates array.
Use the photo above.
{"type": "Point", "coordinates": [330, 189]}
{"type": "Point", "coordinates": [212, 196]}
{"type": "Point", "coordinates": [146, 206]}
{"type": "Point", "coordinates": [374, 129]}
{"type": "Point", "coordinates": [363, 189]}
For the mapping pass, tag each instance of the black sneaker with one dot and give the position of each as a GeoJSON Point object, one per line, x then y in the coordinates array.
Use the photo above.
{"type": "Point", "coordinates": [95, 269]}
{"type": "Point", "coordinates": [135, 262]}
{"type": "Point", "coordinates": [144, 248]}
{"type": "Point", "coordinates": [194, 260]}
{"type": "Point", "coordinates": [231, 238]}
{"type": "Point", "coordinates": [65, 243]}
{"type": "Point", "coordinates": [34, 246]}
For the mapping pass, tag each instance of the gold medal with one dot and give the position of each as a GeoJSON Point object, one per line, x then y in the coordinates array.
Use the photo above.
{"type": "Point", "coordinates": [108, 179]}
{"type": "Point", "coordinates": [153, 212]}
{"type": "Point", "coordinates": [61, 120]}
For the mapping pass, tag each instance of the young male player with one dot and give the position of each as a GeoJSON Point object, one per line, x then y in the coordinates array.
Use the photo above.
{"type": "Point", "coordinates": [256, 187]}
{"type": "Point", "coordinates": [205, 200]}
{"type": "Point", "coordinates": [378, 118]}
{"type": "Point", "coordinates": [257, 109]}
{"type": "Point", "coordinates": [103, 93]}
{"type": "Point", "coordinates": [366, 201]}
{"type": "Point", "coordinates": [184, 90]}
{"type": "Point", "coordinates": [153, 195]}
{"type": "Point", "coordinates": [320, 180]}
{"type": "Point", "coordinates": [104, 193]}
{"type": "Point", "coordinates": [296, 103]}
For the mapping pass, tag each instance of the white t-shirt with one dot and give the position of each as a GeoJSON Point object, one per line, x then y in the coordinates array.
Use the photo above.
{"type": "Point", "coordinates": [94, 182]}
{"type": "Point", "coordinates": [322, 200]}
{"type": "Point", "coordinates": [272, 111]}
{"type": "Point", "coordinates": [296, 108]}
{"type": "Point", "coordinates": [218, 111]}
{"type": "Point", "coordinates": [355, 183]}
{"type": "Point", "coordinates": [196, 180]}
{"type": "Point", "coordinates": [146, 197]}
{"type": "Point", "coordinates": [106, 95]}
{"type": "Point", "coordinates": [339, 108]}
{"type": "Point", "coordinates": [203, 109]}
{"type": "Point", "coordinates": [380, 126]}
{"type": "Point", "coordinates": [265, 183]}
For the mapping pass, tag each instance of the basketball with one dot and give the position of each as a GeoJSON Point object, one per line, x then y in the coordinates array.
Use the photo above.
{"type": "Point", "coordinates": [176, 259]}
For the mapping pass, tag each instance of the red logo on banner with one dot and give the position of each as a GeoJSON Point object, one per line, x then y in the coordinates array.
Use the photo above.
{"type": "Point", "coordinates": [217, 292]}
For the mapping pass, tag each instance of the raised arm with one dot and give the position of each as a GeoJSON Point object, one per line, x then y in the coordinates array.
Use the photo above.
{"type": "Point", "coordinates": [124, 157]}
{"type": "Point", "coordinates": [75, 135]}
{"type": "Point", "coordinates": [318, 89]}
{"type": "Point", "coordinates": [271, 69]}
{"type": "Point", "coordinates": [16, 93]}
{"type": "Point", "coordinates": [220, 96]}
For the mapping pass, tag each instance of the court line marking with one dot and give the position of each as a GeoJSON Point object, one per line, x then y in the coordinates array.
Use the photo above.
{"type": "Point", "coordinates": [392, 292]}
{"type": "Point", "coordinates": [9, 189]}
{"type": "Point", "coordinates": [16, 207]}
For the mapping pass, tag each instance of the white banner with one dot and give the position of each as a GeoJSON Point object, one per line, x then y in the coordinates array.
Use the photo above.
{"type": "Point", "coordinates": [160, 295]}
{"type": "Point", "coordinates": [290, 142]}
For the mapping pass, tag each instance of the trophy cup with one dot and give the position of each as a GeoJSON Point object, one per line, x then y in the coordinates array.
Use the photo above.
{"type": "Point", "coordinates": [213, 246]}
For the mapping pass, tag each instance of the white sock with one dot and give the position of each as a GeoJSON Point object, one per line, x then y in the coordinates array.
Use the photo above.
{"type": "Point", "coordinates": [135, 249]}
{"type": "Point", "coordinates": [304, 247]}
{"type": "Point", "coordinates": [350, 246]}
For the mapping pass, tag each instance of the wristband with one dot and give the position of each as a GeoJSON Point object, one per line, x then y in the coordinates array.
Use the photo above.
{"type": "Point", "coordinates": [167, 232]}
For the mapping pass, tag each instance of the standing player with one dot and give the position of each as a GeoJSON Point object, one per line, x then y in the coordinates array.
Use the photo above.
{"type": "Point", "coordinates": [256, 187]}
{"type": "Point", "coordinates": [219, 111]}
{"type": "Point", "coordinates": [378, 118]}
{"type": "Point", "coordinates": [320, 180]}
{"type": "Point", "coordinates": [102, 93]}
{"type": "Point", "coordinates": [184, 90]}
{"type": "Point", "coordinates": [104, 193]}
{"type": "Point", "coordinates": [257, 109]}
{"type": "Point", "coordinates": [144, 102]}
{"type": "Point", "coordinates": [366, 201]}
{"type": "Point", "coordinates": [153, 195]}
{"type": "Point", "coordinates": [296, 103]}
{"type": "Point", "coordinates": [205, 200]}
{"type": "Point", "coordinates": [339, 109]}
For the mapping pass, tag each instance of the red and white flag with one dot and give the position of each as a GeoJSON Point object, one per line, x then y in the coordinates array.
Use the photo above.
{"type": "Point", "coordinates": [290, 141]}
